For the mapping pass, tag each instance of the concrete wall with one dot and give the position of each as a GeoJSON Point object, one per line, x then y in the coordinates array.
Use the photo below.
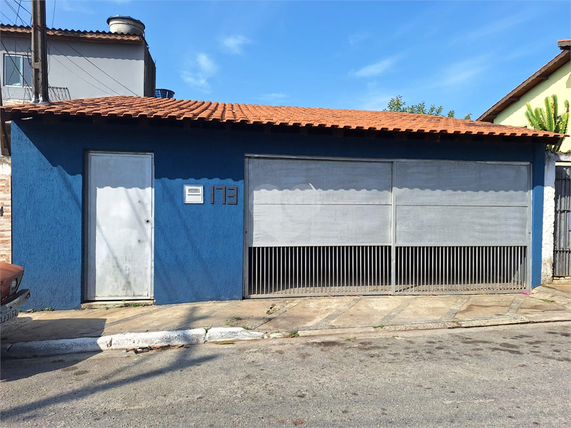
{"type": "Point", "coordinates": [558, 83]}
{"type": "Point", "coordinates": [198, 248]}
{"type": "Point", "coordinates": [6, 206]}
{"type": "Point", "coordinates": [87, 69]}
{"type": "Point", "coordinates": [548, 219]}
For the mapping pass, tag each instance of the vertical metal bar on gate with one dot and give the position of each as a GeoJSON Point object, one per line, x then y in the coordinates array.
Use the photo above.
{"type": "Point", "coordinates": [562, 238]}
{"type": "Point", "coordinates": [396, 267]}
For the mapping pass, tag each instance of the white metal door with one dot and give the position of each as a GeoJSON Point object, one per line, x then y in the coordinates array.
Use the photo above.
{"type": "Point", "coordinates": [119, 226]}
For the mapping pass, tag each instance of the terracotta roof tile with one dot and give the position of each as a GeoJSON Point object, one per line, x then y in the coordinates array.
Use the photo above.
{"type": "Point", "coordinates": [22, 31]}
{"type": "Point", "coordinates": [171, 109]}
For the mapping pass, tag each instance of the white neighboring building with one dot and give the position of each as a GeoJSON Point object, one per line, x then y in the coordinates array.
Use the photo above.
{"type": "Point", "coordinates": [81, 64]}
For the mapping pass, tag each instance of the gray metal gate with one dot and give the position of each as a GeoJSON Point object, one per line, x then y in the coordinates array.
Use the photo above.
{"type": "Point", "coordinates": [562, 250]}
{"type": "Point", "coordinates": [317, 271]}
{"type": "Point", "coordinates": [331, 226]}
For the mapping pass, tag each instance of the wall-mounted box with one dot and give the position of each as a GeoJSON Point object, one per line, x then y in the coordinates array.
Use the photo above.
{"type": "Point", "coordinates": [193, 194]}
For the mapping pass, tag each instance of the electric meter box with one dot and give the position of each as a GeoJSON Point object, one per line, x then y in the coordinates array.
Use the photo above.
{"type": "Point", "coordinates": [193, 194]}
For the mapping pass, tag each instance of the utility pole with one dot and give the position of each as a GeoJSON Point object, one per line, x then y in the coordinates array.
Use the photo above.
{"type": "Point", "coordinates": [4, 139]}
{"type": "Point", "coordinates": [39, 53]}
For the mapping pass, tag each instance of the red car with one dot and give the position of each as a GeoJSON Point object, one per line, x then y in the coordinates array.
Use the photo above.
{"type": "Point", "coordinates": [12, 299]}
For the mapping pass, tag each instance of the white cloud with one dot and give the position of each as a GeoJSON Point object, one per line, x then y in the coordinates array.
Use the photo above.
{"type": "Point", "coordinates": [74, 6]}
{"type": "Point", "coordinates": [234, 44]}
{"type": "Point", "coordinates": [463, 72]}
{"type": "Point", "coordinates": [81, 6]}
{"type": "Point", "coordinates": [375, 69]}
{"type": "Point", "coordinates": [499, 26]}
{"type": "Point", "coordinates": [273, 98]}
{"type": "Point", "coordinates": [357, 38]}
{"type": "Point", "coordinates": [373, 101]}
{"type": "Point", "coordinates": [198, 71]}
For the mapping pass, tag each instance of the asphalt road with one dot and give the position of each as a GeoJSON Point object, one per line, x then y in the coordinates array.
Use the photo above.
{"type": "Point", "coordinates": [517, 376]}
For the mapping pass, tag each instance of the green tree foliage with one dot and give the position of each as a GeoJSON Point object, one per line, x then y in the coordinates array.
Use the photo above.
{"type": "Point", "coordinates": [397, 104]}
{"type": "Point", "coordinates": [548, 118]}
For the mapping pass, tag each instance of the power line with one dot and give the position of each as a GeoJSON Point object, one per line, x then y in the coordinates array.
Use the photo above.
{"type": "Point", "coordinates": [85, 80]}
{"type": "Point", "coordinates": [13, 10]}
{"type": "Point", "coordinates": [20, 6]}
{"type": "Point", "coordinates": [85, 71]}
{"type": "Point", "coordinates": [17, 13]}
{"type": "Point", "coordinates": [8, 18]}
{"type": "Point", "coordinates": [113, 92]}
{"type": "Point", "coordinates": [54, 13]}
{"type": "Point", "coordinates": [100, 69]}
{"type": "Point", "coordinates": [21, 72]}
{"type": "Point", "coordinates": [67, 68]}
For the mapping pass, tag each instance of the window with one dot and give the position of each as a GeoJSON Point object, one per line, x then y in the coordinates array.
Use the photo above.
{"type": "Point", "coordinates": [17, 70]}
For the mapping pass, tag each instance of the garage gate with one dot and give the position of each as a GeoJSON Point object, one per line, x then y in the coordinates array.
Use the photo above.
{"type": "Point", "coordinates": [361, 226]}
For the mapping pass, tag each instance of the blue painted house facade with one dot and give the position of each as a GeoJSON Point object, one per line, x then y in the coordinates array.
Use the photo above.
{"type": "Point", "coordinates": [209, 236]}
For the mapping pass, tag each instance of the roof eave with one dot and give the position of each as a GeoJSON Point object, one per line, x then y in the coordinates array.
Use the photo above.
{"type": "Point", "coordinates": [535, 79]}
{"type": "Point", "coordinates": [49, 116]}
{"type": "Point", "coordinates": [85, 36]}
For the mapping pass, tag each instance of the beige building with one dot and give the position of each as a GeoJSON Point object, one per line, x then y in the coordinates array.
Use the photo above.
{"type": "Point", "coordinates": [553, 78]}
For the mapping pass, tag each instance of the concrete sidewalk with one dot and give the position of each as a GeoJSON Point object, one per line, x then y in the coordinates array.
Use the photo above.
{"type": "Point", "coordinates": [53, 332]}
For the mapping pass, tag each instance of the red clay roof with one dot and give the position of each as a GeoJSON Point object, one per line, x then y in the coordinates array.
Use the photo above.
{"type": "Point", "coordinates": [178, 110]}
{"type": "Point", "coordinates": [95, 36]}
{"type": "Point", "coordinates": [535, 79]}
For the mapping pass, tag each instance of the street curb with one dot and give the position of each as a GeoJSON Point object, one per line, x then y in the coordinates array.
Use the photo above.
{"type": "Point", "coordinates": [104, 343]}
{"type": "Point", "coordinates": [51, 347]}
{"type": "Point", "coordinates": [231, 334]}
{"type": "Point", "coordinates": [439, 325]}
{"type": "Point", "coordinates": [128, 341]}
{"type": "Point", "coordinates": [157, 338]}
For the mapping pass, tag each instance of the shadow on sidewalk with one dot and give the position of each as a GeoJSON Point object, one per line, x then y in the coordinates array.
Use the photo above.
{"type": "Point", "coordinates": [26, 329]}
{"type": "Point", "coordinates": [110, 380]}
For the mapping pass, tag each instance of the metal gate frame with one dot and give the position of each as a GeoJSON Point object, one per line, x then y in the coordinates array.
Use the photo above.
{"type": "Point", "coordinates": [512, 255]}
{"type": "Point", "coordinates": [562, 226]}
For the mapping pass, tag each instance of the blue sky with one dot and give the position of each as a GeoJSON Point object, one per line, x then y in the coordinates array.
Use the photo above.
{"type": "Point", "coordinates": [463, 55]}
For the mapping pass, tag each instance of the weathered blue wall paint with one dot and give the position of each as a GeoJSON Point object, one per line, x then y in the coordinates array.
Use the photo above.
{"type": "Point", "coordinates": [538, 177]}
{"type": "Point", "coordinates": [46, 222]}
{"type": "Point", "coordinates": [198, 248]}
